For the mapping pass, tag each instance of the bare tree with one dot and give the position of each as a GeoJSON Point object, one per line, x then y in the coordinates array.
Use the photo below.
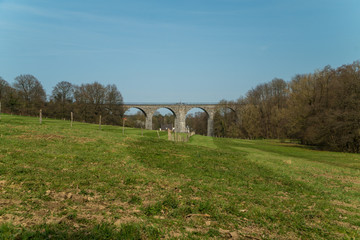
{"type": "Point", "coordinates": [62, 95]}
{"type": "Point", "coordinates": [197, 122]}
{"type": "Point", "coordinates": [113, 104]}
{"type": "Point", "coordinates": [94, 99]}
{"type": "Point", "coordinates": [31, 92]}
{"type": "Point", "coordinates": [3, 87]}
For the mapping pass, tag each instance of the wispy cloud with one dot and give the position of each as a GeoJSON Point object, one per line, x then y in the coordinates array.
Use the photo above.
{"type": "Point", "coordinates": [22, 8]}
{"type": "Point", "coordinates": [61, 14]}
{"type": "Point", "coordinates": [213, 13]}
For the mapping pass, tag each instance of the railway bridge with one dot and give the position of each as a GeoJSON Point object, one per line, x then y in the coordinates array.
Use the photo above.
{"type": "Point", "coordinates": [180, 110]}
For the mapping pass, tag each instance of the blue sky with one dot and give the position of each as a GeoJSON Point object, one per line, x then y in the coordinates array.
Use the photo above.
{"type": "Point", "coordinates": [175, 50]}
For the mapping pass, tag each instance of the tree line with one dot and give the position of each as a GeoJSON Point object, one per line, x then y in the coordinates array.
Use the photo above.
{"type": "Point", "coordinates": [26, 96]}
{"type": "Point", "coordinates": [320, 108]}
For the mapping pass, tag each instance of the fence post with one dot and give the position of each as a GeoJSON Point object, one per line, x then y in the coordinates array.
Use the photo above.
{"type": "Point", "coordinates": [100, 122]}
{"type": "Point", "coordinates": [169, 134]}
{"type": "Point", "coordinates": [71, 118]}
{"type": "Point", "coordinates": [40, 119]}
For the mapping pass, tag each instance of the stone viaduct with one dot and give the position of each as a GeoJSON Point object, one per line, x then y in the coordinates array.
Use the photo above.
{"type": "Point", "coordinates": [180, 110]}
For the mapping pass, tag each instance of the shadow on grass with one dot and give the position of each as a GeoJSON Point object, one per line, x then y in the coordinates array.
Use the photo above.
{"type": "Point", "coordinates": [305, 152]}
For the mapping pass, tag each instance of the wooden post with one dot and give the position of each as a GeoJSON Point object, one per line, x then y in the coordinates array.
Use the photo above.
{"type": "Point", "coordinates": [100, 122]}
{"type": "Point", "coordinates": [169, 134]}
{"type": "Point", "coordinates": [0, 110]}
{"type": "Point", "coordinates": [40, 119]}
{"type": "Point", "coordinates": [158, 133]}
{"type": "Point", "coordinates": [71, 118]}
{"type": "Point", "coordinates": [142, 131]}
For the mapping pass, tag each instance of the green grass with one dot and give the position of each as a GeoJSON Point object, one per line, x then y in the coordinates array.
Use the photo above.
{"type": "Point", "coordinates": [86, 183]}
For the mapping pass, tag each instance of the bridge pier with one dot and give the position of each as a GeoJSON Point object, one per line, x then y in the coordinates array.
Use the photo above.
{"type": "Point", "coordinates": [148, 121]}
{"type": "Point", "coordinates": [180, 117]}
{"type": "Point", "coordinates": [210, 124]}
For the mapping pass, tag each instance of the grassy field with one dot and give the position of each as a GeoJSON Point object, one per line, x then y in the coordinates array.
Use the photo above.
{"type": "Point", "coordinates": [84, 183]}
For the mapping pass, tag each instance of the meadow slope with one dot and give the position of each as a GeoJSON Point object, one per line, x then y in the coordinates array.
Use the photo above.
{"type": "Point", "coordinates": [84, 183]}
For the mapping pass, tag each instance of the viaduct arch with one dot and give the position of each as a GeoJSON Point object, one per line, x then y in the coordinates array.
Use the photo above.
{"type": "Point", "coordinates": [180, 110]}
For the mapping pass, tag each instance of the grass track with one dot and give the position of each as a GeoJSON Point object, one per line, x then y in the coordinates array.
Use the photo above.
{"type": "Point", "coordinates": [82, 182]}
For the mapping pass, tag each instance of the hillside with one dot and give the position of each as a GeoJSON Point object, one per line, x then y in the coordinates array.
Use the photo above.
{"type": "Point", "coordinates": [82, 182]}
